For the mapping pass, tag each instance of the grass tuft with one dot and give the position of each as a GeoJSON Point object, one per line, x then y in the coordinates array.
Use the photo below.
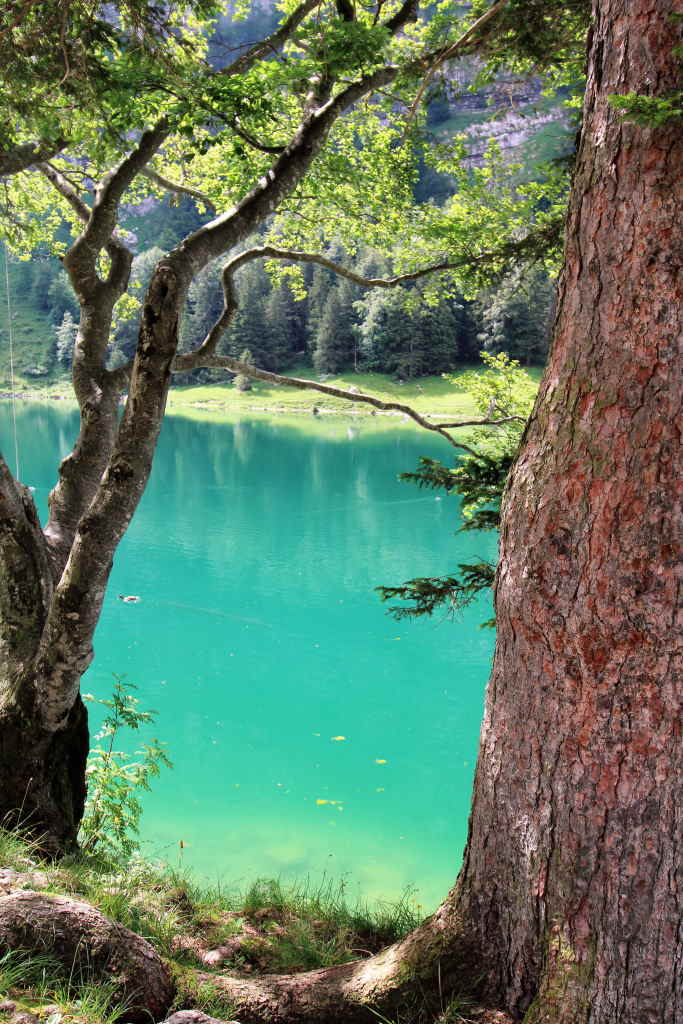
{"type": "Point", "coordinates": [270, 927]}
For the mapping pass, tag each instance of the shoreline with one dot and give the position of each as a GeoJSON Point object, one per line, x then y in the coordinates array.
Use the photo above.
{"type": "Point", "coordinates": [227, 410]}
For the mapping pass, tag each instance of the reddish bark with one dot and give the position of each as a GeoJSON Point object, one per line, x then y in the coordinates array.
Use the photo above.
{"type": "Point", "coordinates": [572, 881]}
{"type": "Point", "coordinates": [569, 903]}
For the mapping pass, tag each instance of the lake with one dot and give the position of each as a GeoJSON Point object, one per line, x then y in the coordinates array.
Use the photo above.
{"type": "Point", "coordinates": [311, 733]}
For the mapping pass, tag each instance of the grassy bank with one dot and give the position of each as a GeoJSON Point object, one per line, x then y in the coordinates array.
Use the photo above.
{"type": "Point", "coordinates": [267, 928]}
{"type": "Point", "coordinates": [429, 395]}
{"type": "Point", "coordinates": [435, 397]}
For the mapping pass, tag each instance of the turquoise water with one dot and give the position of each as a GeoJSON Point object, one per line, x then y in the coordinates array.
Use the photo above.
{"type": "Point", "coordinates": [260, 641]}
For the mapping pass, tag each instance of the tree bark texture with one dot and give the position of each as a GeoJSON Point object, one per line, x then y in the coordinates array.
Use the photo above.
{"type": "Point", "coordinates": [572, 882]}
{"type": "Point", "coordinates": [87, 943]}
{"type": "Point", "coordinates": [42, 784]}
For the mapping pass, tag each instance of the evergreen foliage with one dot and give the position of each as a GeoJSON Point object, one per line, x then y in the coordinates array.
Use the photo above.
{"type": "Point", "coordinates": [502, 391]}
{"type": "Point", "coordinates": [66, 339]}
{"type": "Point", "coordinates": [60, 297]}
{"type": "Point", "coordinates": [336, 344]}
{"type": "Point", "coordinates": [241, 381]}
{"type": "Point", "coordinates": [515, 316]}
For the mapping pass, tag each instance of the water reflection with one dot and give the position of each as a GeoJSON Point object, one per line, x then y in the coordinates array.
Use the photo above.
{"type": "Point", "coordinates": [259, 638]}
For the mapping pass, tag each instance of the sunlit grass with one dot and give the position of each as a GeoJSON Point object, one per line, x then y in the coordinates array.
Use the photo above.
{"type": "Point", "coordinates": [277, 926]}
{"type": "Point", "coordinates": [426, 394]}
{"type": "Point", "coordinates": [34, 981]}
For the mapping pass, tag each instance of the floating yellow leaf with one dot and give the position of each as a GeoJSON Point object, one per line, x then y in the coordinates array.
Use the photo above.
{"type": "Point", "coordinates": [321, 802]}
{"type": "Point", "coordinates": [337, 739]}
{"type": "Point", "coordinates": [380, 760]}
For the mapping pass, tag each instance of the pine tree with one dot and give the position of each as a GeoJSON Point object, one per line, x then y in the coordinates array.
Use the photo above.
{"type": "Point", "coordinates": [241, 381]}
{"type": "Point", "coordinates": [61, 298]}
{"type": "Point", "coordinates": [335, 340]}
{"type": "Point", "coordinates": [281, 340]}
{"type": "Point", "coordinates": [515, 316]}
{"type": "Point", "coordinates": [249, 328]}
{"type": "Point", "coordinates": [66, 339]}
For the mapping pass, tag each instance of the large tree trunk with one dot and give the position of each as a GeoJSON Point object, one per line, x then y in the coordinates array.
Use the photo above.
{"type": "Point", "coordinates": [43, 774]}
{"type": "Point", "coordinates": [568, 907]}
{"type": "Point", "coordinates": [572, 882]}
{"type": "Point", "coordinates": [42, 770]}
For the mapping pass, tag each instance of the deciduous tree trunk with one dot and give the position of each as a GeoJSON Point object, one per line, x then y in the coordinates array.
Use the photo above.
{"type": "Point", "coordinates": [42, 770]}
{"type": "Point", "coordinates": [52, 582]}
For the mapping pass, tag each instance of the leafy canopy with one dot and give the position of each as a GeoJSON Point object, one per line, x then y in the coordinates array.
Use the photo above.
{"type": "Point", "coordinates": [116, 70]}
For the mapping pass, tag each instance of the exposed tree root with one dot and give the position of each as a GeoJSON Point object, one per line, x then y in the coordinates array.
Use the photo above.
{"type": "Point", "coordinates": [86, 941]}
{"type": "Point", "coordinates": [411, 981]}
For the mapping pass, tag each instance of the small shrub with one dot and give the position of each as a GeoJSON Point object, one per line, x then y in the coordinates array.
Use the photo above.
{"type": "Point", "coordinates": [111, 822]}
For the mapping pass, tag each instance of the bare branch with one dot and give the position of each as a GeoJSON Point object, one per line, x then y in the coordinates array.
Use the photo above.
{"type": "Point", "coordinates": [273, 42]}
{"type": "Point", "coordinates": [66, 189]}
{"type": "Point", "coordinates": [297, 256]}
{"type": "Point", "coordinates": [183, 363]}
{"type": "Point", "coordinates": [102, 221]}
{"type": "Point", "coordinates": [204, 355]}
{"type": "Point", "coordinates": [120, 255]}
{"type": "Point", "coordinates": [454, 49]}
{"type": "Point", "coordinates": [174, 186]}
{"type": "Point", "coordinates": [407, 12]}
{"type": "Point", "coordinates": [251, 141]}
{"type": "Point", "coordinates": [483, 423]}
{"type": "Point", "coordinates": [208, 346]}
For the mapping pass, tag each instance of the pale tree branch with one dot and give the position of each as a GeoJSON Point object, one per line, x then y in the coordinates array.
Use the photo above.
{"type": "Point", "coordinates": [262, 147]}
{"type": "Point", "coordinates": [205, 354]}
{"type": "Point", "coordinates": [120, 255]}
{"type": "Point", "coordinates": [178, 188]}
{"type": "Point", "coordinates": [97, 391]}
{"type": "Point", "coordinates": [272, 43]}
{"type": "Point", "coordinates": [454, 49]}
{"type": "Point", "coordinates": [230, 305]}
{"type": "Point", "coordinates": [183, 363]}
{"type": "Point", "coordinates": [102, 221]}
{"type": "Point", "coordinates": [62, 184]}
{"type": "Point", "coordinates": [483, 423]}
{"type": "Point", "coordinates": [298, 256]}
